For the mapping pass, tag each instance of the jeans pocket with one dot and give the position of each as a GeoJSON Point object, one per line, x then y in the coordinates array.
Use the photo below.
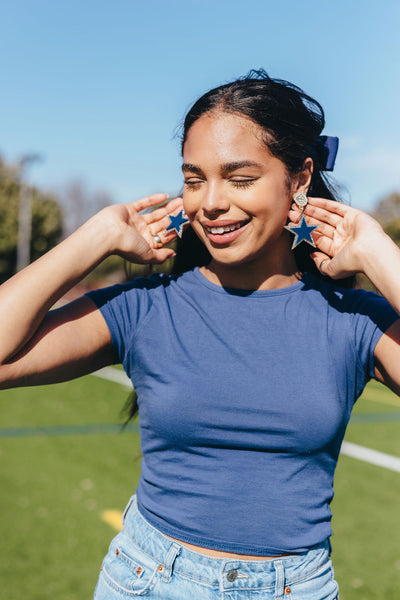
{"type": "Point", "coordinates": [131, 500]}
{"type": "Point", "coordinates": [128, 570]}
{"type": "Point", "coordinates": [321, 585]}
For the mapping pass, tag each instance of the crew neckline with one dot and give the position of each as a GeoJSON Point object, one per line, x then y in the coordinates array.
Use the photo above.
{"type": "Point", "coordinates": [219, 289]}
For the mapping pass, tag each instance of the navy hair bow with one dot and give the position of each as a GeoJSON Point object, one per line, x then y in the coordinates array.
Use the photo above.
{"type": "Point", "coordinates": [327, 150]}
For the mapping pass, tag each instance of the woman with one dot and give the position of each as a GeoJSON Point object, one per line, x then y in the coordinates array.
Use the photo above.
{"type": "Point", "coordinates": [246, 368]}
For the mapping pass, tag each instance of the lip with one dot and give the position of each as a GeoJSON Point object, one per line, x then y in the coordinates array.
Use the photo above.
{"type": "Point", "coordinates": [220, 239]}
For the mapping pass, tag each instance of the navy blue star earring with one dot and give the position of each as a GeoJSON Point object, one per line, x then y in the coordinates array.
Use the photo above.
{"type": "Point", "coordinates": [177, 223]}
{"type": "Point", "coordinates": [302, 231]}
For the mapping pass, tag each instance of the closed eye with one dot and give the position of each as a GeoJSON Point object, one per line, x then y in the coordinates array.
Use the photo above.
{"type": "Point", "coordinates": [192, 183]}
{"type": "Point", "coordinates": [242, 183]}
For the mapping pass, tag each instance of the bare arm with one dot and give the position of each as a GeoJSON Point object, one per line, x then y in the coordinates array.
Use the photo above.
{"type": "Point", "coordinates": [37, 346]}
{"type": "Point", "coordinates": [350, 241]}
{"type": "Point", "coordinates": [71, 341]}
{"type": "Point", "coordinates": [384, 271]}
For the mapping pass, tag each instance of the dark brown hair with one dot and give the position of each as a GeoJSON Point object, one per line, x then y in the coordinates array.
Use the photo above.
{"type": "Point", "coordinates": [292, 122]}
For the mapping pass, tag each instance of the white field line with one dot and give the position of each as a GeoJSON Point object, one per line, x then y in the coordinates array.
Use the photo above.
{"type": "Point", "coordinates": [373, 457]}
{"type": "Point", "coordinates": [380, 459]}
{"type": "Point", "coordinates": [115, 375]}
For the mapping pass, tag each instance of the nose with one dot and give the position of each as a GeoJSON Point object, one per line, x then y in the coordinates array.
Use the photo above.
{"type": "Point", "coordinates": [215, 202]}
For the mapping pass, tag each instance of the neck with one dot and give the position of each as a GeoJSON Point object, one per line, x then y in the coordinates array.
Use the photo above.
{"type": "Point", "coordinates": [254, 275]}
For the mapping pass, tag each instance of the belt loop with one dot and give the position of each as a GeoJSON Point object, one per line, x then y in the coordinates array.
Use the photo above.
{"type": "Point", "coordinates": [280, 580]}
{"type": "Point", "coordinates": [172, 553]}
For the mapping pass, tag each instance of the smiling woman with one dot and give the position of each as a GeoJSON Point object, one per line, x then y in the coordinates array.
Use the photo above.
{"type": "Point", "coordinates": [279, 121]}
{"type": "Point", "coordinates": [246, 367]}
{"type": "Point", "coordinates": [238, 201]}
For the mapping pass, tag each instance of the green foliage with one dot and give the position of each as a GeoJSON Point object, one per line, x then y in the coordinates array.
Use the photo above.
{"type": "Point", "coordinates": [387, 212]}
{"type": "Point", "coordinates": [46, 221]}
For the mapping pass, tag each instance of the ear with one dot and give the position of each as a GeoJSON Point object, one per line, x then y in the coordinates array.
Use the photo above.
{"type": "Point", "coordinates": [302, 180]}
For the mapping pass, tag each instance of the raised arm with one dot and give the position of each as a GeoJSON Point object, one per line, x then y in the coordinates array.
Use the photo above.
{"type": "Point", "coordinates": [38, 346]}
{"type": "Point", "coordinates": [350, 241]}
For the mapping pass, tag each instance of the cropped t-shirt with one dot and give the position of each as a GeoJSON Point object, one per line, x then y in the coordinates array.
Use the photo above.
{"type": "Point", "coordinates": [244, 398]}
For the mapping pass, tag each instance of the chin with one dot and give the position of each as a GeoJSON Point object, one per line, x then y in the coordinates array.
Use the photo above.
{"type": "Point", "coordinates": [231, 260]}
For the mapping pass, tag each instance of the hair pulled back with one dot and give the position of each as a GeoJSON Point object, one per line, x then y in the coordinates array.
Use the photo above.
{"type": "Point", "coordinates": [292, 122]}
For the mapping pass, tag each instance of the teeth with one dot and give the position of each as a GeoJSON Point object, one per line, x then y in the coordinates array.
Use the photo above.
{"type": "Point", "coordinates": [221, 230]}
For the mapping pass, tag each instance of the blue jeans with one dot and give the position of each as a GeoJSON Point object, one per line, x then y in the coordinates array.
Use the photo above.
{"type": "Point", "coordinates": [141, 561]}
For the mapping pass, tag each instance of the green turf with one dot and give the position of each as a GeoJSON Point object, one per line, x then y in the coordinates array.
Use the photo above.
{"type": "Point", "coordinates": [85, 400]}
{"type": "Point", "coordinates": [54, 488]}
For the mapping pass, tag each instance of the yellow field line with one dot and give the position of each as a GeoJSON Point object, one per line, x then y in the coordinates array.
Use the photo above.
{"type": "Point", "coordinates": [113, 518]}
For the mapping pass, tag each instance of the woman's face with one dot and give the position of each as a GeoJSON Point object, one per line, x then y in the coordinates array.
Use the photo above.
{"type": "Point", "coordinates": [236, 193]}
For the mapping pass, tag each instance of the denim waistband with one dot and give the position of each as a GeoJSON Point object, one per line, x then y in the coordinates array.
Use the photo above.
{"type": "Point", "coordinates": [227, 573]}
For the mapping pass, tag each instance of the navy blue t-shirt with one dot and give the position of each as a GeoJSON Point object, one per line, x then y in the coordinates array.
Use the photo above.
{"type": "Point", "coordinates": [244, 398]}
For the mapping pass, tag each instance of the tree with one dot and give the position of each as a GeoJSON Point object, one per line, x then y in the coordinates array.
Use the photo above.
{"type": "Point", "coordinates": [79, 204]}
{"type": "Point", "coordinates": [387, 212]}
{"type": "Point", "coordinates": [46, 220]}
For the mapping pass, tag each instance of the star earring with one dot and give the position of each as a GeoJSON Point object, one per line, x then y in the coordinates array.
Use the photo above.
{"type": "Point", "coordinates": [178, 223]}
{"type": "Point", "coordinates": [302, 231]}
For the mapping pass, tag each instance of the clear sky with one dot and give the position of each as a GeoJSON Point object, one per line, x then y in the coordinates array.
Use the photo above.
{"type": "Point", "coordinates": [99, 87]}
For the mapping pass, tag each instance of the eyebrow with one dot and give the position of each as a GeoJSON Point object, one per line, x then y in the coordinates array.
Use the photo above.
{"type": "Point", "coordinates": [191, 168]}
{"type": "Point", "coordinates": [226, 168]}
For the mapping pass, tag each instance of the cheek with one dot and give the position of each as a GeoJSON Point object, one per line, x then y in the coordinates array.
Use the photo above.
{"type": "Point", "coordinates": [190, 206]}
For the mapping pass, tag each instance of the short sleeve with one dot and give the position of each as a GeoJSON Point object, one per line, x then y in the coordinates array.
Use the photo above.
{"type": "Point", "coordinates": [372, 317]}
{"type": "Point", "coordinates": [123, 307]}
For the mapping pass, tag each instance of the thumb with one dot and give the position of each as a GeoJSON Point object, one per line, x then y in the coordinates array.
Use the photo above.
{"type": "Point", "coordinates": [162, 254]}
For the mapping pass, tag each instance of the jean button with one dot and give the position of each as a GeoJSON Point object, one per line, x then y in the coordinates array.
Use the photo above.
{"type": "Point", "coordinates": [232, 575]}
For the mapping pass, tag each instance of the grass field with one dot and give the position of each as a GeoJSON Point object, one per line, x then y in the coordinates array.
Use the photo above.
{"type": "Point", "coordinates": [63, 464]}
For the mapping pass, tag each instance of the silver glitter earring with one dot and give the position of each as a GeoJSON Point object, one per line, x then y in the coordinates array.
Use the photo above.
{"type": "Point", "coordinates": [302, 231]}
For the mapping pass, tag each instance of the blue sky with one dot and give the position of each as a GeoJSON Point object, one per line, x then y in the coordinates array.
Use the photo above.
{"type": "Point", "coordinates": [98, 88]}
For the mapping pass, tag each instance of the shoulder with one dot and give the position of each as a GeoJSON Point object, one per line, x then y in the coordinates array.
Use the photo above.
{"type": "Point", "coordinates": [346, 299]}
{"type": "Point", "coordinates": [358, 303]}
{"type": "Point", "coordinates": [141, 287]}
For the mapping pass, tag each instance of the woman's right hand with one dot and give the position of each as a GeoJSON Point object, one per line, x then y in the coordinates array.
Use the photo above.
{"type": "Point", "coordinates": [37, 346]}
{"type": "Point", "coordinates": [131, 232]}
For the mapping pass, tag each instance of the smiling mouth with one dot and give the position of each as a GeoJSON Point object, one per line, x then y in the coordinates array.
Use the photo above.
{"type": "Point", "coordinates": [225, 229]}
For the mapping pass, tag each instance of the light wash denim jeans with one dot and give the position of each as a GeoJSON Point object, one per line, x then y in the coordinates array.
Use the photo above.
{"type": "Point", "coordinates": [144, 562]}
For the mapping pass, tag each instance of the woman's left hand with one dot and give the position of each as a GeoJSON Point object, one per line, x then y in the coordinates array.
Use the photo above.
{"type": "Point", "coordinates": [344, 238]}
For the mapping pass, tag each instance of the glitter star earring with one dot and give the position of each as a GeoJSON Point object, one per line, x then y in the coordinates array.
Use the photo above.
{"type": "Point", "coordinates": [302, 231]}
{"type": "Point", "coordinates": [177, 223]}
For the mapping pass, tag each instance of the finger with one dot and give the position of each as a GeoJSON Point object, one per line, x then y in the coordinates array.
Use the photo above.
{"type": "Point", "coordinates": [330, 205]}
{"type": "Point", "coordinates": [329, 266]}
{"type": "Point", "coordinates": [323, 215]}
{"type": "Point", "coordinates": [319, 214]}
{"type": "Point", "coordinates": [160, 225]}
{"type": "Point", "coordinates": [321, 262]}
{"type": "Point", "coordinates": [163, 213]}
{"type": "Point", "coordinates": [162, 254]}
{"type": "Point", "coordinates": [149, 201]}
{"type": "Point", "coordinates": [160, 236]}
{"type": "Point", "coordinates": [322, 242]}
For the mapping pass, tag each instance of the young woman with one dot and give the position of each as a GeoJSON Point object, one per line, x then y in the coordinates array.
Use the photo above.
{"type": "Point", "coordinates": [246, 366]}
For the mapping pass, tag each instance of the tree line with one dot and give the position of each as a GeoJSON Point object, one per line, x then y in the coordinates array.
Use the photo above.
{"type": "Point", "coordinates": [52, 216]}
